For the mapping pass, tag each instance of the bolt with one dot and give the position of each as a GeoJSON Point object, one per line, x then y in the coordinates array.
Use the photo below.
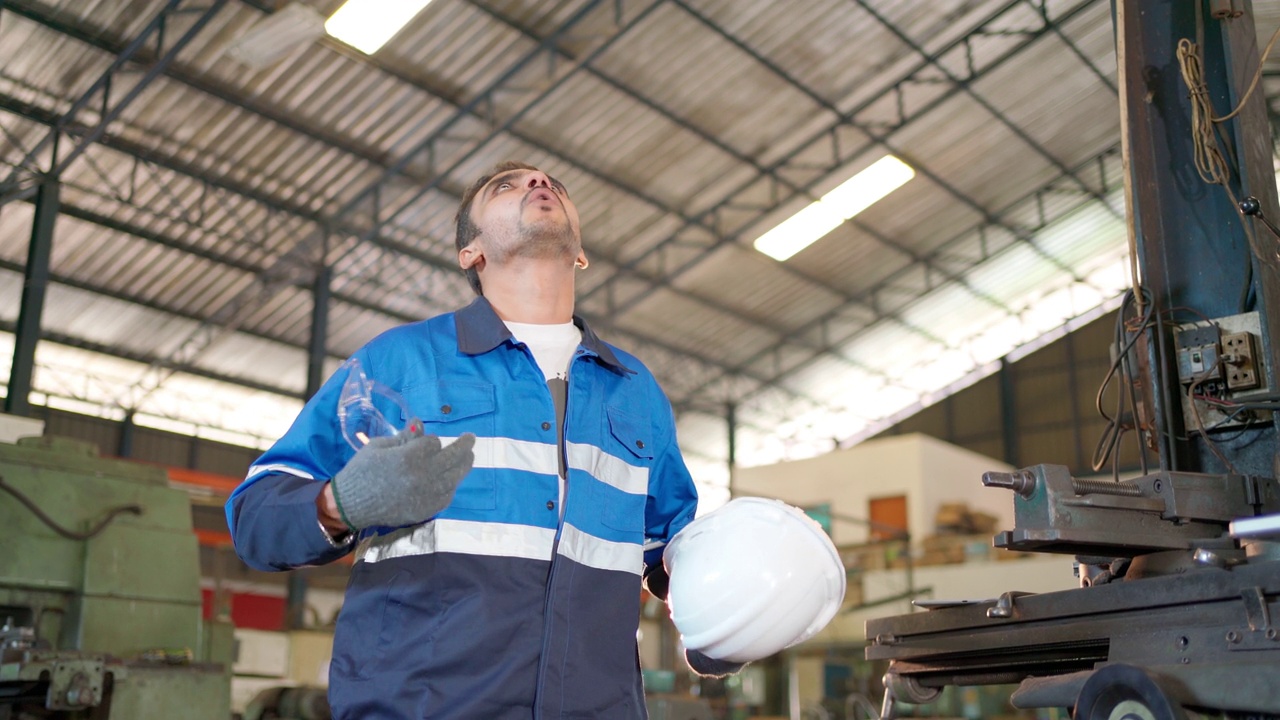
{"type": "Point", "coordinates": [1271, 633]}
{"type": "Point", "coordinates": [1183, 642]}
{"type": "Point", "coordinates": [886, 639]}
{"type": "Point", "coordinates": [1157, 486]}
{"type": "Point", "coordinates": [1233, 637]}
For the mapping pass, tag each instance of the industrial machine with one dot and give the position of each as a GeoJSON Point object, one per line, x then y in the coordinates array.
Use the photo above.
{"type": "Point", "coordinates": [1179, 568]}
{"type": "Point", "coordinates": [100, 592]}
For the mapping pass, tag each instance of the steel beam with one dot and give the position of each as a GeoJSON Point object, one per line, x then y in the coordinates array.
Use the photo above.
{"type": "Point", "coordinates": [704, 367]}
{"type": "Point", "coordinates": [706, 136]}
{"type": "Point", "coordinates": [882, 138]}
{"type": "Point", "coordinates": [320, 291]}
{"type": "Point", "coordinates": [961, 262]}
{"type": "Point", "coordinates": [507, 82]}
{"type": "Point", "coordinates": [966, 84]}
{"type": "Point", "coordinates": [109, 108]}
{"type": "Point", "coordinates": [226, 93]}
{"type": "Point", "coordinates": [823, 141]}
{"type": "Point", "coordinates": [1008, 412]}
{"type": "Point", "coordinates": [232, 186]}
{"type": "Point", "coordinates": [128, 430]}
{"type": "Point", "coordinates": [35, 280]}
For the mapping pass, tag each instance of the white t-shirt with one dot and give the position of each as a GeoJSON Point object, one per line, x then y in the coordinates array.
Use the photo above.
{"type": "Point", "coordinates": [552, 346]}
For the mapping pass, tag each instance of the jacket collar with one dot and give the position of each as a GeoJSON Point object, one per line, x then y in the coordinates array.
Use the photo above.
{"type": "Point", "coordinates": [481, 330]}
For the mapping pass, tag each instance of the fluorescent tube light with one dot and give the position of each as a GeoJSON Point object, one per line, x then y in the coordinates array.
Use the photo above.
{"type": "Point", "coordinates": [367, 25]}
{"type": "Point", "coordinates": [822, 216]}
{"type": "Point", "coordinates": [277, 35]}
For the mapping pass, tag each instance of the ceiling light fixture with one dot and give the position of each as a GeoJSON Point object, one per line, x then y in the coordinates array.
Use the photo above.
{"type": "Point", "coordinates": [822, 216]}
{"type": "Point", "coordinates": [367, 25]}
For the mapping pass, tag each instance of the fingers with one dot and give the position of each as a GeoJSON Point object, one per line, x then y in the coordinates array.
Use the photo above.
{"type": "Point", "coordinates": [466, 442]}
{"type": "Point", "coordinates": [413, 428]}
{"type": "Point", "coordinates": [430, 444]}
{"type": "Point", "coordinates": [458, 456]}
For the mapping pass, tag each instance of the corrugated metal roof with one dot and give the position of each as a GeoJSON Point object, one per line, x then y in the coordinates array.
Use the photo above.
{"type": "Point", "coordinates": [696, 126]}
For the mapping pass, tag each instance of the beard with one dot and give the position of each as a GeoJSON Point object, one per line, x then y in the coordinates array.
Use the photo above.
{"type": "Point", "coordinates": [546, 238]}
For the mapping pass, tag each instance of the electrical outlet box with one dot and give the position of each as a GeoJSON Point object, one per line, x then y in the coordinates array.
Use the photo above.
{"type": "Point", "coordinates": [1240, 370]}
{"type": "Point", "coordinates": [1220, 363]}
{"type": "Point", "coordinates": [1198, 353]}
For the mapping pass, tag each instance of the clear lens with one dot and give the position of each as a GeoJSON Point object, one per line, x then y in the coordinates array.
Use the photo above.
{"type": "Point", "coordinates": [362, 404]}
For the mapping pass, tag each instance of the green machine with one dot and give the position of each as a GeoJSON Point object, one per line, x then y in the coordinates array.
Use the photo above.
{"type": "Point", "coordinates": [100, 611]}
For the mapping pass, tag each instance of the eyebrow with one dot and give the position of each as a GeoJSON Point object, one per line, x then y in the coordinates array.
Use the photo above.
{"type": "Point", "coordinates": [496, 179]}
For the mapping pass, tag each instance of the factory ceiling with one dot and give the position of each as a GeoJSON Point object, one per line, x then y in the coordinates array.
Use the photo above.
{"type": "Point", "coordinates": [218, 158]}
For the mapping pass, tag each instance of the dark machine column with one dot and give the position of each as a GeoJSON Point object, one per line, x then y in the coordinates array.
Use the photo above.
{"type": "Point", "coordinates": [1191, 246]}
{"type": "Point", "coordinates": [1179, 568]}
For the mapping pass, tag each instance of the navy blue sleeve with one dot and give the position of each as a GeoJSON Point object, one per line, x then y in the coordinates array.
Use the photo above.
{"type": "Point", "coordinates": [272, 514]}
{"type": "Point", "coordinates": [275, 526]}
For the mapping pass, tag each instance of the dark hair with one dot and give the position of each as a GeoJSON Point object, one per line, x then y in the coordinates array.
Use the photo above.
{"type": "Point", "coordinates": [466, 230]}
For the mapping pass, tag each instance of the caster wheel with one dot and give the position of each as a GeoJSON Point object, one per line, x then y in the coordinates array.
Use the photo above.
{"type": "Point", "coordinates": [1125, 692]}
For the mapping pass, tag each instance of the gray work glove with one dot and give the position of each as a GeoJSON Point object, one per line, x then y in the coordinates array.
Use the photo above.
{"type": "Point", "coordinates": [401, 480]}
{"type": "Point", "coordinates": [710, 667]}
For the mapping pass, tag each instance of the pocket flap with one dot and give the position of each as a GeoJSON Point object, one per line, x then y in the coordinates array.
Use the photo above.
{"type": "Point", "coordinates": [634, 433]}
{"type": "Point", "coordinates": [451, 400]}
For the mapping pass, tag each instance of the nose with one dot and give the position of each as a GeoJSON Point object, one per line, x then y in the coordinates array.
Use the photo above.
{"type": "Point", "coordinates": [537, 179]}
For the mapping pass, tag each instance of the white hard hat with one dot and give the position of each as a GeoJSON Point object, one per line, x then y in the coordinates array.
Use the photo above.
{"type": "Point", "coordinates": [752, 578]}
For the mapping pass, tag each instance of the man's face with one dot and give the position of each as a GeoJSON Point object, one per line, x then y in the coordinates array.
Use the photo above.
{"type": "Point", "coordinates": [526, 213]}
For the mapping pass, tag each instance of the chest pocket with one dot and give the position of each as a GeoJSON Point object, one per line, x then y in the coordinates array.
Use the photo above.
{"type": "Point", "coordinates": [629, 440]}
{"type": "Point", "coordinates": [449, 408]}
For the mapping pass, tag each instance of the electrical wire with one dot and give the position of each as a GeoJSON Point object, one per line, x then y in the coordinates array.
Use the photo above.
{"type": "Point", "coordinates": [1127, 334]}
{"type": "Point", "coordinates": [54, 526]}
{"type": "Point", "coordinates": [1257, 75]}
{"type": "Point", "coordinates": [1210, 162]}
{"type": "Point", "coordinates": [1200, 427]}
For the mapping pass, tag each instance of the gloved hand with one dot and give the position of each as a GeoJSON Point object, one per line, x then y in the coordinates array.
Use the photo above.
{"type": "Point", "coordinates": [401, 480]}
{"type": "Point", "coordinates": [710, 667]}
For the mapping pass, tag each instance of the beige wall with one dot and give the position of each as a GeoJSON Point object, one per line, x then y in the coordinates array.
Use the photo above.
{"type": "Point", "coordinates": [927, 471]}
{"type": "Point", "coordinates": [13, 427]}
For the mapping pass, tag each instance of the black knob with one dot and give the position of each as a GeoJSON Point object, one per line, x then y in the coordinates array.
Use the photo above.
{"type": "Point", "coordinates": [1250, 206]}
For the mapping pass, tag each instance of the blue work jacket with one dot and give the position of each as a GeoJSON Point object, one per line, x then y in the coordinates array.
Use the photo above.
{"type": "Point", "coordinates": [505, 606]}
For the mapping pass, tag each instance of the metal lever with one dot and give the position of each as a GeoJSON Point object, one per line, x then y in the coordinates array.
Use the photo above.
{"type": "Point", "coordinates": [1021, 482]}
{"type": "Point", "coordinates": [1250, 206]}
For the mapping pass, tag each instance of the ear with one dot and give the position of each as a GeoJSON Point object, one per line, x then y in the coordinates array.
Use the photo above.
{"type": "Point", "coordinates": [471, 256]}
{"type": "Point", "coordinates": [581, 261]}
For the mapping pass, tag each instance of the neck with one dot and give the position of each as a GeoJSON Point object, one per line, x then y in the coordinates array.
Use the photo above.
{"type": "Point", "coordinates": [532, 291]}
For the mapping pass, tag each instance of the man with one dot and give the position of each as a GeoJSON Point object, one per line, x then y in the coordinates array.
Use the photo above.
{"type": "Point", "coordinates": [518, 595]}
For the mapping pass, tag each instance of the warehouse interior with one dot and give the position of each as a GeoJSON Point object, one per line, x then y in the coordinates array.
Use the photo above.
{"type": "Point", "coordinates": [209, 205]}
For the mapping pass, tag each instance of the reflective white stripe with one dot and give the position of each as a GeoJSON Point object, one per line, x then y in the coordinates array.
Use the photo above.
{"type": "Point", "coordinates": [259, 469]}
{"type": "Point", "coordinates": [501, 453]}
{"type": "Point", "coordinates": [597, 553]}
{"type": "Point", "coordinates": [608, 469]}
{"type": "Point", "coordinates": [461, 536]}
{"type": "Point", "coordinates": [653, 544]}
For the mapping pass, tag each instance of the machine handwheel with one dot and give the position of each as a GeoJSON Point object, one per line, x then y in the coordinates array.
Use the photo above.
{"type": "Point", "coordinates": [1125, 692]}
